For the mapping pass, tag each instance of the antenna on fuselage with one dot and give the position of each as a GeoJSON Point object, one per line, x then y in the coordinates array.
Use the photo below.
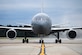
{"type": "Point", "coordinates": [42, 6]}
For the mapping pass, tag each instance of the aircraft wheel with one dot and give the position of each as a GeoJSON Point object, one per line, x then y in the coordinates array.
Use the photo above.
{"type": "Point", "coordinates": [23, 41]}
{"type": "Point", "coordinates": [60, 41]}
{"type": "Point", "coordinates": [39, 41]}
{"type": "Point", "coordinates": [42, 41]}
{"type": "Point", "coordinates": [56, 41]}
{"type": "Point", "coordinates": [27, 41]}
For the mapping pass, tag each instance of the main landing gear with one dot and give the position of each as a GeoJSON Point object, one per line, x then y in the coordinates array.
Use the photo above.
{"type": "Point", "coordinates": [25, 40]}
{"type": "Point", "coordinates": [58, 40]}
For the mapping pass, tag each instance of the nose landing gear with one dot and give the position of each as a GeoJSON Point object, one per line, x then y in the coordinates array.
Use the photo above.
{"type": "Point", "coordinates": [41, 41]}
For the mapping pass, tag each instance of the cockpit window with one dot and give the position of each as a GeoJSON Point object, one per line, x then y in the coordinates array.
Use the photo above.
{"type": "Point", "coordinates": [40, 18]}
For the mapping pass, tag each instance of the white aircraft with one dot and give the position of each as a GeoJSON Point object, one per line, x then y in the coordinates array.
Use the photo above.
{"type": "Point", "coordinates": [41, 25]}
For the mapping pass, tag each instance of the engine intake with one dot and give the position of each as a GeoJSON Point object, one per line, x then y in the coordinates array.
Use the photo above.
{"type": "Point", "coordinates": [11, 34]}
{"type": "Point", "coordinates": [71, 34]}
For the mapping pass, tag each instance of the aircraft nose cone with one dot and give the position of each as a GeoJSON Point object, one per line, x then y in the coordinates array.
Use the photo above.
{"type": "Point", "coordinates": [41, 24]}
{"type": "Point", "coordinates": [40, 29]}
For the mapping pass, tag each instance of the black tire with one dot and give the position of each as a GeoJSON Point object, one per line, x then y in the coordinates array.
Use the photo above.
{"type": "Point", "coordinates": [23, 41]}
{"type": "Point", "coordinates": [39, 41]}
{"type": "Point", "coordinates": [26, 40]}
{"type": "Point", "coordinates": [56, 41]}
{"type": "Point", "coordinates": [60, 41]}
{"type": "Point", "coordinates": [42, 41]}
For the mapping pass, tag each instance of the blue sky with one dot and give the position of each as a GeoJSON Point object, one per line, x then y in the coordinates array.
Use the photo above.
{"type": "Point", "coordinates": [61, 12]}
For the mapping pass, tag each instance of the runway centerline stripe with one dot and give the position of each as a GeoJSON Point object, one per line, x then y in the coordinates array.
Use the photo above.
{"type": "Point", "coordinates": [42, 51]}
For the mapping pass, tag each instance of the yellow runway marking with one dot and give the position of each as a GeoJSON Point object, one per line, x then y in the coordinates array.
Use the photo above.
{"type": "Point", "coordinates": [42, 49]}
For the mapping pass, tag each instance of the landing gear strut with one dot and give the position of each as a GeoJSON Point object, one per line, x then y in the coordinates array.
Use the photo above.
{"type": "Point", "coordinates": [25, 39]}
{"type": "Point", "coordinates": [41, 40]}
{"type": "Point", "coordinates": [58, 39]}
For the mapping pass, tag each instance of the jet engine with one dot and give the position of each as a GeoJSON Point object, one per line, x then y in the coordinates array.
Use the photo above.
{"type": "Point", "coordinates": [11, 34]}
{"type": "Point", "coordinates": [71, 34]}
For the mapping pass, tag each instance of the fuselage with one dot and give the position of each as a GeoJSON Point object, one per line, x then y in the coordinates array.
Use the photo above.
{"type": "Point", "coordinates": [41, 24]}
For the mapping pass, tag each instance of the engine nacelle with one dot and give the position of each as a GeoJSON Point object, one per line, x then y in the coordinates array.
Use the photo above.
{"type": "Point", "coordinates": [11, 34]}
{"type": "Point", "coordinates": [71, 34]}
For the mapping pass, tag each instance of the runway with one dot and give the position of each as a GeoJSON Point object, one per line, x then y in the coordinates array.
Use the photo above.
{"type": "Point", "coordinates": [15, 47]}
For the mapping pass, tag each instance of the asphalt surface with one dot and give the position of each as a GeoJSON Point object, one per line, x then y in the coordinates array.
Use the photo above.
{"type": "Point", "coordinates": [16, 47]}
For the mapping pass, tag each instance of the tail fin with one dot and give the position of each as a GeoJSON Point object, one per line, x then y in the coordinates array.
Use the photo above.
{"type": "Point", "coordinates": [42, 6]}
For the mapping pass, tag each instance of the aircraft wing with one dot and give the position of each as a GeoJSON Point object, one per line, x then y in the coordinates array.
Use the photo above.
{"type": "Point", "coordinates": [30, 28]}
{"type": "Point", "coordinates": [64, 29]}
{"type": "Point", "coordinates": [59, 29]}
{"type": "Point", "coordinates": [18, 28]}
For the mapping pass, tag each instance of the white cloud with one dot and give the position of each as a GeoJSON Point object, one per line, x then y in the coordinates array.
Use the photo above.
{"type": "Point", "coordinates": [60, 11]}
{"type": "Point", "coordinates": [72, 19]}
{"type": "Point", "coordinates": [18, 6]}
